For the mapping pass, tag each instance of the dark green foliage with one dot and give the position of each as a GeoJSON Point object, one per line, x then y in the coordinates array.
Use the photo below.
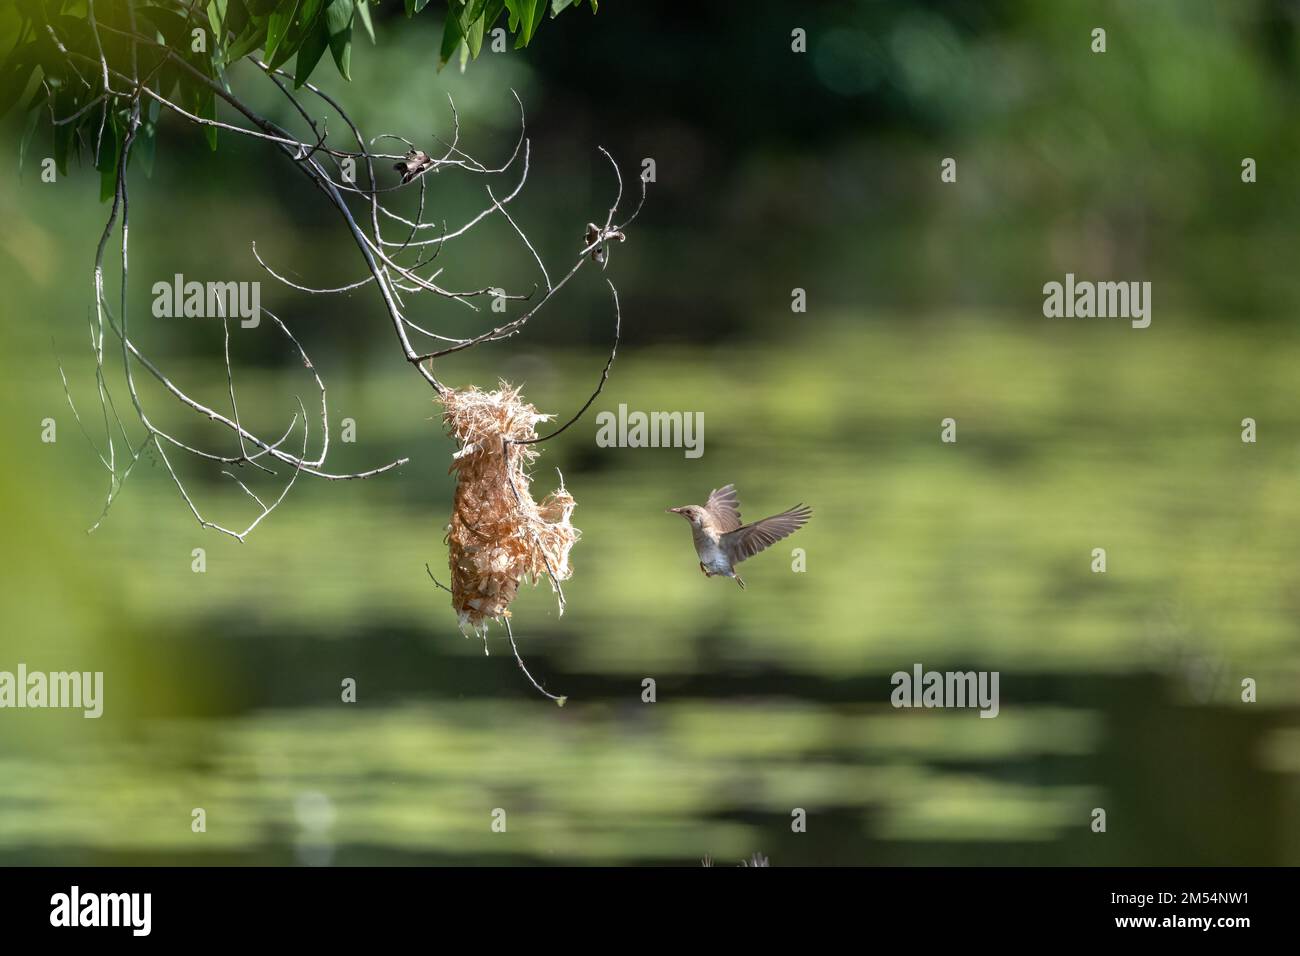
{"type": "Point", "coordinates": [55, 66]}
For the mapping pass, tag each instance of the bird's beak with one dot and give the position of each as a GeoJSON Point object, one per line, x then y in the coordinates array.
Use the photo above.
{"type": "Point", "coordinates": [673, 511]}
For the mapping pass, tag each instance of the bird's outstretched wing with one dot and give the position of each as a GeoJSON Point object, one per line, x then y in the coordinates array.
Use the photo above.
{"type": "Point", "coordinates": [752, 538]}
{"type": "Point", "coordinates": [724, 506]}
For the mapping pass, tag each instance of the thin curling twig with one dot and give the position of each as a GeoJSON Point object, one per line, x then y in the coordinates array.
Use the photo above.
{"type": "Point", "coordinates": [604, 377]}
{"type": "Point", "coordinates": [560, 700]}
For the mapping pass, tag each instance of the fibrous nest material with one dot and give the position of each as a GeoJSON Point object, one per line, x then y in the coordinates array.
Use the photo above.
{"type": "Point", "coordinates": [499, 536]}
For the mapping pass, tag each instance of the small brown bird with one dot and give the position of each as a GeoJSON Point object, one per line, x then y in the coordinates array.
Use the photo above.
{"type": "Point", "coordinates": [413, 164]}
{"type": "Point", "coordinates": [722, 541]}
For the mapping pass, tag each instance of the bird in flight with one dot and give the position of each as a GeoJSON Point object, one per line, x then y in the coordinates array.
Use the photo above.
{"type": "Point", "coordinates": [722, 542]}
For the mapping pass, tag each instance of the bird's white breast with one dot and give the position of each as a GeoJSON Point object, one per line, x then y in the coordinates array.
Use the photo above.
{"type": "Point", "coordinates": [711, 555]}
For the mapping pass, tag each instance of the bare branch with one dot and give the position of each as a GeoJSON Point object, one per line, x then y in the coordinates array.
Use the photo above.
{"type": "Point", "coordinates": [399, 267]}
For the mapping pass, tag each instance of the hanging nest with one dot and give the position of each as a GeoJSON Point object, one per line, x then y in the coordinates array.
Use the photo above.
{"type": "Point", "coordinates": [499, 536]}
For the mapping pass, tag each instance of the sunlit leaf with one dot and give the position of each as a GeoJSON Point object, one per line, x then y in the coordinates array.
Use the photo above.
{"type": "Point", "coordinates": [217, 16]}
{"type": "Point", "coordinates": [309, 54]}
{"type": "Point", "coordinates": [277, 25]}
{"type": "Point", "coordinates": [451, 32]}
{"type": "Point", "coordinates": [363, 14]}
{"type": "Point", "coordinates": [248, 41]}
{"type": "Point", "coordinates": [525, 15]}
{"type": "Point", "coordinates": [338, 22]}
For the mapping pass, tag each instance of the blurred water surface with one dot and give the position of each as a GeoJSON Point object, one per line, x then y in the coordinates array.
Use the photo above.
{"type": "Point", "coordinates": [1117, 690]}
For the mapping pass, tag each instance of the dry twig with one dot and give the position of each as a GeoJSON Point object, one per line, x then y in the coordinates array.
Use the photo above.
{"type": "Point", "coordinates": [528, 538]}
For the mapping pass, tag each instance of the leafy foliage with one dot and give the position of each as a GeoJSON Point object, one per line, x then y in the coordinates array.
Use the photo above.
{"type": "Point", "coordinates": [181, 49]}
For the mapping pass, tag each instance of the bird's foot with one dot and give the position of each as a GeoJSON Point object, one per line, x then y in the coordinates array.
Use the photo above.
{"type": "Point", "coordinates": [740, 582]}
{"type": "Point", "coordinates": [704, 570]}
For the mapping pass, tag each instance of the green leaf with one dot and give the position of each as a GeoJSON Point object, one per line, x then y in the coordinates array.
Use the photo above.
{"type": "Point", "coordinates": [63, 137]}
{"type": "Point", "coordinates": [482, 14]}
{"type": "Point", "coordinates": [107, 182]}
{"type": "Point", "coordinates": [253, 36]}
{"type": "Point", "coordinates": [107, 160]}
{"type": "Point", "coordinates": [341, 50]}
{"type": "Point", "coordinates": [338, 21]}
{"type": "Point", "coordinates": [492, 12]}
{"type": "Point", "coordinates": [143, 148]}
{"type": "Point", "coordinates": [309, 54]}
{"type": "Point", "coordinates": [452, 31]}
{"type": "Point", "coordinates": [237, 17]}
{"type": "Point", "coordinates": [29, 133]}
{"type": "Point", "coordinates": [539, 13]}
{"type": "Point", "coordinates": [209, 111]}
{"type": "Point", "coordinates": [525, 15]}
{"type": "Point", "coordinates": [301, 27]}
{"type": "Point", "coordinates": [287, 49]}
{"type": "Point", "coordinates": [217, 16]}
{"type": "Point", "coordinates": [200, 100]}
{"type": "Point", "coordinates": [277, 25]}
{"type": "Point", "coordinates": [363, 13]}
{"type": "Point", "coordinates": [474, 39]}
{"type": "Point", "coordinates": [146, 141]}
{"type": "Point", "coordinates": [173, 27]}
{"type": "Point", "coordinates": [13, 78]}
